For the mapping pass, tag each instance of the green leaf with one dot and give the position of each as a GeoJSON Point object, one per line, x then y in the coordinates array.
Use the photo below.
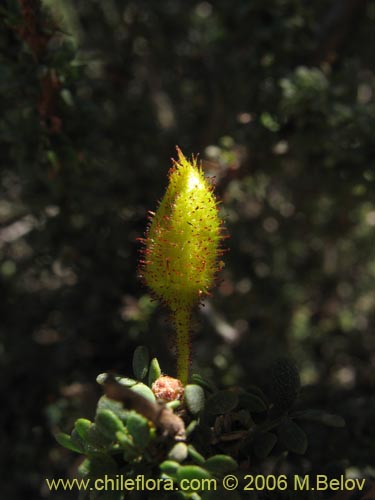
{"type": "Point", "coordinates": [96, 440]}
{"type": "Point", "coordinates": [82, 426]}
{"type": "Point", "coordinates": [138, 427]}
{"type": "Point", "coordinates": [91, 435]}
{"type": "Point", "coordinates": [194, 398]}
{"type": "Point", "coordinates": [140, 362]}
{"type": "Point", "coordinates": [292, 436]}
{"type": "Point", "coordinates": [173, 404]}
{"type": "Point", "coordinates": [66, 441]}
{"type": "Point", "coordinates": [190, 472]}
{"type": "Point", "coordinates": [126, 443]}
{"type": "Point", "coordinates": [154, 371]}
{"type": "Point", "coordinates": [206, 384]}
{"type": "Point", "coordinates": [84, 468]}
{"type": "Point", "coordinates": [145, 391]}
{"type": "Point", "coordinates": [169, 467]}
{"type": "Point", "coordinates": [263, 444]}
{"type": "Point", "coordinates": [194, 496]}
{"type": "Point", "coordinates": [100, 465]}
{"type": "Point", "coordinates": [101, 378]}
{"type": "Point", "coordinates": [252, 402]}
{"type": "Point", "coordinates": [221, 464]}
{"type": "Point", "coordinates": [108, 423]}
{"type": "Point", "coordinates": [190, 428]}
{"type": "Point", "coordinates": [195, 455]}
{"type": "Point", "coordinates": [178, 453]}
{"type": "Point", "coordinates": [124, 439]}
{"type": "Point", "coordinates": [221, 402]}
{"type": "Point", "coordinates": [126, 381]}
{"type": "Point", "coordinates": [115, 406]}
{"type": "Point", "coordinates": [77, 441]}
{"type": "Point", "coordinates": [322, 417]}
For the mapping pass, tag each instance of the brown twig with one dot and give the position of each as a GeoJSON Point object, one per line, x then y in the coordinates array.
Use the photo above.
{"type": "Point", "coordinates": [162, 417]}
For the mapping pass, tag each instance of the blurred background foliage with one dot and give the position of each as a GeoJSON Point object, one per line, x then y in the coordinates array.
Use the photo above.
{"type": "Point", "coordinates": [276, 97]}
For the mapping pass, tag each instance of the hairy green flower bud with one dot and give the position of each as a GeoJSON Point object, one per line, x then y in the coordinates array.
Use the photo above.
{"type": "Point", "coordinates": [182, 247]}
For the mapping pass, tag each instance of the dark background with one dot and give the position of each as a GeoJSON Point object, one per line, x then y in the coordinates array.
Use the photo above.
{"type": "Point", "coordinates": [275, 96]}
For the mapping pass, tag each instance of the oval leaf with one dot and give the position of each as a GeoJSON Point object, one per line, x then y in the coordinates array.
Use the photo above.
{"type": "Point", "coordinates": [139, 429]}
{"type": "Point", "coordinates": [222, 402]}
{"type": "Point", "coordinates": [145, 391]}
{"type": "Point", "coordinates": [197, 379]}
{"type": "Point", "coordinates": [66, 441]}
{"type": "Point", "coordinates": [108, 423]}
{"type": "Point", "coordinates": [194, 398]}
{"type": "Point", "coordinates": [126, 381]}
{"type": "Point", "coordinates": [190, 472]}
{"type": "Point", "coordinates": [263, 444]}
{"type": "Point", "coordinates": [154, 371]}
{"type": "Point", "coordinates": [169, 467]}
{"type": "Point", "coordinates": [140, 362]}
{"type": "Point", "coordinates": [252, 402]}
{"type": "Point", "coordinates": [221, 464]}
{"type": "Point", "coordinates": [178, 453]}
{"type": "Point", "coordinates": [82, 426]}
{"type": "Point", "coordinates": [292, 436]}
{"type": "Point", "coordinates": [195, 455]}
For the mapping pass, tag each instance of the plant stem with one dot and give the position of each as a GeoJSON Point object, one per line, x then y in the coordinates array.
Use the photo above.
{"type": "Point", "coordinates": [182, 325]}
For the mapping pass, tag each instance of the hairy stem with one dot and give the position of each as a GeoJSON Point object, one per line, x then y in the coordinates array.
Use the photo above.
{"type": "Point", "coordinates": [181, 318]}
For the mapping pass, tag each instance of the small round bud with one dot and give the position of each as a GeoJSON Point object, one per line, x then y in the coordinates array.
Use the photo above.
{"type": "Point", "coordinates": [167, 388]}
